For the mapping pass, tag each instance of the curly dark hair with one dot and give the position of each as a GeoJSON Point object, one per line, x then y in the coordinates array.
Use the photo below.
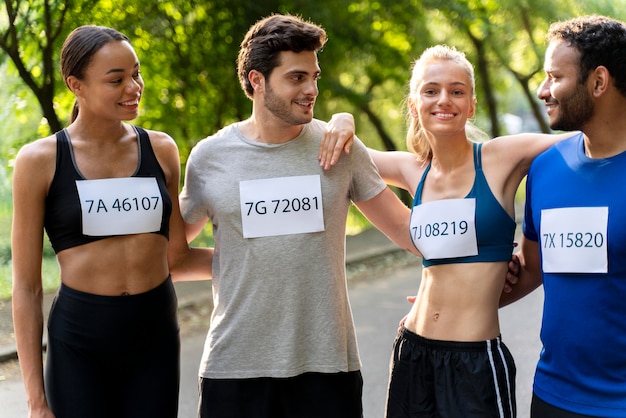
{"type": "Point", "coordinates": [600, 40]}
{"type": "Point", "coordinates": [261, 47]}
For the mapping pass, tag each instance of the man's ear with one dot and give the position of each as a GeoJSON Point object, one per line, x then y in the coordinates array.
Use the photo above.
{"type": "Point", "coordinates": [599, 80]}
{"type": "Point", "coordinates": [257, 81]}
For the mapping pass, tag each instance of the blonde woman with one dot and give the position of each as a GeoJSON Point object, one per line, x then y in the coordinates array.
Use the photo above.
{"type": "Point", "coordinates": [449, 359]}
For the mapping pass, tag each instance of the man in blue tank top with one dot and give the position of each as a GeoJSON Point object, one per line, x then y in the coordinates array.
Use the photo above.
{"type": "Point", "coordinates": [575, 224]}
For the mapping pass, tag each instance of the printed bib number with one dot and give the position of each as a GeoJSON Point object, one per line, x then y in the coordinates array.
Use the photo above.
{"type": "Point", "coordinates": [574, 240]}
{"type": "Point", "coordinates": [281, 206]}
{"type": "Point", "coordinates": [445, 228]}
{"type": "Point", "coordinates": [120, 206]}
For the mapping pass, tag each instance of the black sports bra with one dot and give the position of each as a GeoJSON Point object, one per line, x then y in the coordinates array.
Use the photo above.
{"type": "Point", "coordinates": [64, 211]}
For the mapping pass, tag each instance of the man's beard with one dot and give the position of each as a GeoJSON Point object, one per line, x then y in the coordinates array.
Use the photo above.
{"type": "Point", "coordinates": [573, 111]}
{"type": "Point", "coordinates": [282, 109]}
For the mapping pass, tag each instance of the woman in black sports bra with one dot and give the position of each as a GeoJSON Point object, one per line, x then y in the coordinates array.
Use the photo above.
{"type": "Point", "coordinates": [449, 359]}
{"type": "Point", "coordinates": [106, 193]}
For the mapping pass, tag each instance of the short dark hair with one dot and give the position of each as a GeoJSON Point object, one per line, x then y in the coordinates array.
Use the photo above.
{"type": "Point", "coordinates": [261, 47]}
{"type": "Point", "coordinates": [600, 40]}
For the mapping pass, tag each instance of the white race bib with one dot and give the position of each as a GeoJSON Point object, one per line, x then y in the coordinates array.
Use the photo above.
{"type": "Point", "coordinates": [574, 240]}
{"type": "Point", "coordinates": [445, 228]}
{"type": "Point", "coordinates": [120, 206]}
{"type": "Point", "coordinates": [281, 206]}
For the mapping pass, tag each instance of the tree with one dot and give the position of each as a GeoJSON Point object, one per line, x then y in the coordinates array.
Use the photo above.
{"type": "Point", "coordinates": [29, 39]}
{"type": "Point", "coordinates": [188, 50]}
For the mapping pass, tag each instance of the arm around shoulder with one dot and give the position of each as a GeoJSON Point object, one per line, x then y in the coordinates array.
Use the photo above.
{"type": "Point", "coordinates": [185, 263]}
{"type": "Point", "coordinates": [523, 148]}
{"type": "Point", "coordinates": [397, 168]}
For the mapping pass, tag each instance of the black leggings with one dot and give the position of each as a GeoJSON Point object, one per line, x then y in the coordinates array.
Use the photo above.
{"type": "Point", "coordinates": [113, 356]}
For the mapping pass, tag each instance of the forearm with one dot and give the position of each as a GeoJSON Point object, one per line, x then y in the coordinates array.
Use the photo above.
{"type": "Point", "coordinates": [389, 215]}
{"type": "Point", "coordinates": [529, 275]}
{"type": "Point", "coordinates": [523, 287]}
{"type": "Point", "coordinates": [195, 264]}
{"type": "Point", "coordinates": [28, 325]}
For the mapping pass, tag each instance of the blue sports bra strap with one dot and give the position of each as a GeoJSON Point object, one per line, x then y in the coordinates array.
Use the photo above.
{"type": "Point", "coordinates": [418, 192]}
{"type": "Point", "coordinates": [477, 155]}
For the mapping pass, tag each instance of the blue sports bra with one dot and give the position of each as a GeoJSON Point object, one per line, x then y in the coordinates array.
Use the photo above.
{"type": "Point", "coordinates": [495, 229]}
{"type": "Point", "coordinates": [63, 213]}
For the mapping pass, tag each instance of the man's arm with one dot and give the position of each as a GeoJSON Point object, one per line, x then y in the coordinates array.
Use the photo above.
{"type": "Point", "coordinates": [387, 213]}
{"type": "Point", "coordinates": [529, 275]}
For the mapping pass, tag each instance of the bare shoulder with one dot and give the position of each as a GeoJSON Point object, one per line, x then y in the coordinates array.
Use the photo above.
{"type": "Point", "coordinates": [39, 153]}
{"type": "Point", "coordinates": [166, 152]}
{"type": "Point", "coordinates": [160, 139]}
{"type": "Point", "coordinates": [164, 145]}
{"type": "Point", "coordinates": [38, 157]}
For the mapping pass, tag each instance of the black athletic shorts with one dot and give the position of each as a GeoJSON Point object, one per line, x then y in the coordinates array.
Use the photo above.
{"type": "Point", "coordinates": [446, 379]}
{"type": "Point", "coordinates": [113, 356]}
{"type": "Point", "coordinates": [309, 395]}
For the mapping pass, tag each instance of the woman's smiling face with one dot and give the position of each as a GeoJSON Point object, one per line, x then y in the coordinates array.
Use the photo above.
{"type": "Point", "coordinates": [444, 99]}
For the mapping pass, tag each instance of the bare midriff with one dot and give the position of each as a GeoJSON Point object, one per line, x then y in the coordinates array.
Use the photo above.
{"type": "Point", "coordinates": [458, 302]}
{"type": "Point", "coordinates": [124, 265]}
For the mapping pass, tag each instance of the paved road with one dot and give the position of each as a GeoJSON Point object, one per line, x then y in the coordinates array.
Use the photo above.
{"type": "Point", "coordinates": [378, 304]}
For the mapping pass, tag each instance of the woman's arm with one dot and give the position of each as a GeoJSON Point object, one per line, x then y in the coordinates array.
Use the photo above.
{"type": "Point", "coordinates": [185, 263]}
{"type": "Point", "coordinates": [521, 149]}
{"type": "Point", "coordinates": [338, 138]}
{"type": "Point", "coordinates": [395, 167]}
{"type": "Point", "coordinates": [529, 276]}
{"type": "Point", "coordinates": [398, 168]}
{"type": "Point", "coordinates": [34, 168]}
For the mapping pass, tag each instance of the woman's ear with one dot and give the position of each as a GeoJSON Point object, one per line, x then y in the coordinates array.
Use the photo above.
{"type": "Point", "coordinates": [472, 109]}
{"type": "Point", "coordinates": [74, 84]}
{"type": "Point", "coordinates": [412, 108]}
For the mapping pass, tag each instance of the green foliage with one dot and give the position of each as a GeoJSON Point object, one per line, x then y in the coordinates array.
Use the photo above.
{"type": "Point", "coordinates": [5, 208]}
{"type": "Point", "coordinates": [188, 51]}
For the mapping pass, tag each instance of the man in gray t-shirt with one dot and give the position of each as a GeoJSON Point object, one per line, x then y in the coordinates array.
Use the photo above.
{"type": "Point", "coordinates": [282, 341]}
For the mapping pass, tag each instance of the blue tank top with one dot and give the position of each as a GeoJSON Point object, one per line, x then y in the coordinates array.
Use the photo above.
{"type": "Point", "coordinates": [63, 215]}
{"type": "Point", "coordinates": [495, 229]}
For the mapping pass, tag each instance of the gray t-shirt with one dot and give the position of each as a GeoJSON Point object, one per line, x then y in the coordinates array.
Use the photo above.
{"type": "Point", "coordinates": [281, 304]}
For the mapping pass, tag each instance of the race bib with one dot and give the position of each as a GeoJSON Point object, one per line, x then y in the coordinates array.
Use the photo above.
{"type": "Point", "coordinates": [574, 240]}
{"type": "Point", "coordinates": [281, 206]}
{"type": "Point", "coordinates": [120, 206]}
{"type": "Point", "coordinates": [445, 228]}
